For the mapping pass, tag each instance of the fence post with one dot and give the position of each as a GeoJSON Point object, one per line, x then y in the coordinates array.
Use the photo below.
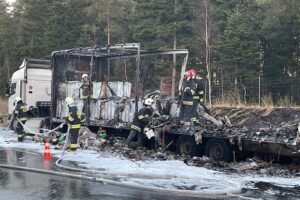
{"type": "Point", "coordinates": [259, 101]}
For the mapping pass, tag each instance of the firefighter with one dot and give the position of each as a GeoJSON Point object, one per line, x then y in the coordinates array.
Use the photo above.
{"type": "Point", "coordinates": [199, 108]}
{"type": "Point", "coordinates": [199, 97]}
{"type": "Point", "coordinates": [73, 119]}
{"type": "Point", "coordinates": [201, 83]}
{"type": "Point", "coordinates": [140, 120]}
{"type": "Point", "coordinates": [187, 92]}
{"type": "Point", "coordinates": [86, 92]}
{"type": "Point", "coordinates": [21, 114]}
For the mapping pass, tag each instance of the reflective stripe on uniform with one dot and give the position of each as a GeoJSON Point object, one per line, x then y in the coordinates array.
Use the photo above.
{"type": "Point", "coordinates": [73, 146]}
{"type": "Point", "coordinates": [188, 103]}
{"type": "Point", "coordinates": [195, 120]}
{"type": "Point", "coordinates": [187, 88]}
{"type": "Point", "coordinates": [201, 92]}
{"type": "Point", "coordinates": [187, 123]}
{"type": "Point", "coordinates": [78, 114]}
{"type": "Point", "coordinates": [201, 100]}
{"type": "Point", "coordinates": [196, 97]}
{"type": "Point", "coordinates": [141, 117]}
{"type": "Point", "coordinates": [76, 126]}
{"type": "Point", "coordinates": [23, 119]}
{"type": "Point", "coordinates": [134, 127]}
{"type": "Point", "coordinates": [23, 108]}
{"type": "Point", "coordinates": [84, 97]}
{"type": "Point", "coordinates": [70, 118]}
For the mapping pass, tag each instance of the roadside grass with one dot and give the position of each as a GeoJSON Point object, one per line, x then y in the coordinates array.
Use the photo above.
{"type": "Point", "coordinates": [235, 101]}
{"type": "Point", "coordinates": [3, 110]}
{"type": "Point", "coordinates": [3, 106]}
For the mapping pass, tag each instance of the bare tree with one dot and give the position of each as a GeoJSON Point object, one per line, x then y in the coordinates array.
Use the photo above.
{"type": "Point", "coordinates": [174, 55]}
{"type": "Point", "coordinates": [207, 50]}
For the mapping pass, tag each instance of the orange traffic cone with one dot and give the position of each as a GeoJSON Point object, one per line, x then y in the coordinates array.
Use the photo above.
{"type": "Point", "coordinates": [47, 153]}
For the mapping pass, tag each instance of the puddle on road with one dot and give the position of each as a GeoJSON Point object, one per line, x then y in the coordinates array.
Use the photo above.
{"type": "Point", "coordinates": [265, 190]}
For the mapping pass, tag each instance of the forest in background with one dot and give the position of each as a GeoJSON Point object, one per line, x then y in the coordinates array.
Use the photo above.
{"type": "Point", "coordinates": [234, 42]}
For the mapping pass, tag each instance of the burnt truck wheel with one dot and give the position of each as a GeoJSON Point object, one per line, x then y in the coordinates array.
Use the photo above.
{"type": "Point", "coordinates": [219, 150]}
{"type": "Point", "coordinates": [186, 145]}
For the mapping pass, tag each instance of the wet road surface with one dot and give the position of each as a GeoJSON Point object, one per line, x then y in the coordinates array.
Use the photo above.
{"type": "Point", "coordinates": [16, 184]}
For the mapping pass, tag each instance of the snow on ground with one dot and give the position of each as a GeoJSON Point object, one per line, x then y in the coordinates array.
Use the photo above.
{"type": "Point", "coordinates": [195, 178]}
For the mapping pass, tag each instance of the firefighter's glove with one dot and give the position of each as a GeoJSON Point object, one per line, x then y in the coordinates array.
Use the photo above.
{"type": "Point", "coordinates": [146, 129]}
{"type": "Point", "coordinates": [61, 125]}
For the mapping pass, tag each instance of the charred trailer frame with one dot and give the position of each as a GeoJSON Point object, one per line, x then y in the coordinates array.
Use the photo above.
{"type": "Point", "coordinates": [69, 65]}
{"type": "Point", "coordinates": [235, 143]}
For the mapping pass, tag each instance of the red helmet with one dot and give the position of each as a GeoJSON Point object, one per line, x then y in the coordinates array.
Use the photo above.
{"type": "Point", "coordinates": [191, 74]}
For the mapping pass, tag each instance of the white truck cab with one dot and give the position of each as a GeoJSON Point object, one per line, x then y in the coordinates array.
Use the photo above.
{"type": "Point", "coordinates": [32, 82]}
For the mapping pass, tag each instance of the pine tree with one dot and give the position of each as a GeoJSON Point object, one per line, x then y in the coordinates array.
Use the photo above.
{"type": "Point", "coordinates": [239, 46]}
{"type": "Point", "coordinates": [6, 43]}
{"type": "Point", "coordinates": [30, 17]}
{"type": "Point", "coordinates": [281, 33]}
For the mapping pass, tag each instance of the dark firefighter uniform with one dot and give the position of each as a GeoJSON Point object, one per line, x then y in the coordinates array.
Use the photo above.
{"type": "Point", "coordinates": [73, 119]}
{"type": "Point", "coordinates": [20, 112]}
{"type": "Point", "coordinates": [198, 98]}
{"type": "Point", "coordinates": [140, 120]}
{"type": "Point", "coordinates": [87, 89]}
{"type": "Point", "coordinates": [186, 109]}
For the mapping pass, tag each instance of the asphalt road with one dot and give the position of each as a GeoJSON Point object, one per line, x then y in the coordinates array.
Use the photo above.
{"type": "Point", "coordinates": [15, 184]}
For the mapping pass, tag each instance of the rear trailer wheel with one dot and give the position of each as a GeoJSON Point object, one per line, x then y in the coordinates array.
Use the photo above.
{"type": "Point", "coordinates": [219, 150]}
{"type": "Point", "coordinates": [186, 145]}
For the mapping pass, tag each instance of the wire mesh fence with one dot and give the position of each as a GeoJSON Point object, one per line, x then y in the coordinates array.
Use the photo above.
{"type": "Point", "coordinates": [264, 91]}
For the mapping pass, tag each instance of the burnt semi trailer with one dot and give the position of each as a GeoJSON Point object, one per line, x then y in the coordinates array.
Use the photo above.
{"type": "Point", "coordinates": [122, 75]}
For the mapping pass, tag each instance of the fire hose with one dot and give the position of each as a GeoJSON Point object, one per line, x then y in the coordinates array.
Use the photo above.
{"type": "Point", "coordinates": [36, 133]}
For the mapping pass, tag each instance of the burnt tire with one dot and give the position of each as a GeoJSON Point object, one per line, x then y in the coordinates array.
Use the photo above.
{"type": "Point", "coordinates": [186, 145]}
{"type": "Point", "coordinates": [219, 150]}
